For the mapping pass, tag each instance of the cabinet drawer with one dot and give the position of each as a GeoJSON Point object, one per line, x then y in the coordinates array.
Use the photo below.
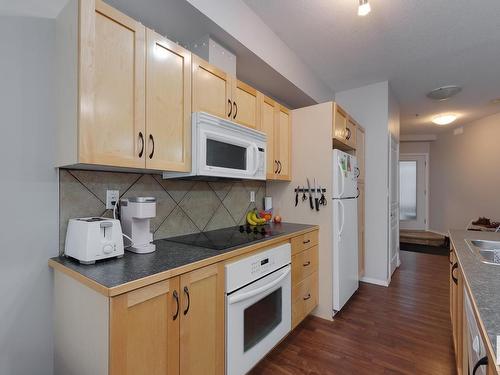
{"type": "Point", "coordinates": [304, 264]}
{"type": "Point", "coordinates": [304, 298]}
{"type": "Point", "coordinates": [304, 241]}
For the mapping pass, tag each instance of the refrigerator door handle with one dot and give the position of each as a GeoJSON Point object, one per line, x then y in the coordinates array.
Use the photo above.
{"type": "Point", "coordinates": [341, 179]}
{"type": "Point", "coordinates": [341, 205]}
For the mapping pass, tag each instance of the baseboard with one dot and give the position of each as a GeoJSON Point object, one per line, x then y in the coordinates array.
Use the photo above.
{"type": "Point", "coordinates": [371, 280]}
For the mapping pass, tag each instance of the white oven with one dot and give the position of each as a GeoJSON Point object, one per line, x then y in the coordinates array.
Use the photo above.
{"type": "Point", "coordinates": [258, 307]}
{"type": "Point", "coordinates": [221, 148]}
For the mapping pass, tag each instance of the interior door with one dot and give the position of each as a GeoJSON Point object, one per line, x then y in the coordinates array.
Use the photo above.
{"type": "Point", "coordinates": [211, 89]}
{"type": "Point", "coordinates": [168, 105]}
{"type": "Point", "coordinates": [202, 321]}
{"type": "Point", "coordinates": [393, 223]}
{"type": "Point", "coordinates": [111, 84]}
{"type": "Point", "coordinates": [413, 191]}
{"type": "Point", "coordinates": [144, 330]}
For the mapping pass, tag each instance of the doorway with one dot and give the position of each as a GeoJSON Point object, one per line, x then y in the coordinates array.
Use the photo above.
{"type": "Point", "coordinates": [413, 191]}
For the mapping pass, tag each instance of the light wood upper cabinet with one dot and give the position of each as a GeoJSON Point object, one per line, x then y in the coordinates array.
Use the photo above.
{"type": "Point", "coordinates": [168, 105]}
{"type": "Point", "coordinates": [245, 105]}
{"type": "Point", "coordinates": [211, 89]}
{"type": "Point", "coordinates": [343, 128]}
{"type": "Point", "coordinates": [283, 141]}
{"type": "Point", "coordinates": [144, 330]}
{"type": "Point", "coordinates": [111, 84]}
{"type": "Point", "coordinates": [360, 152]}
{"type": "Point", "coordinates": [202, 321]}
{"type": "Point", "coordinates": [275, 121]}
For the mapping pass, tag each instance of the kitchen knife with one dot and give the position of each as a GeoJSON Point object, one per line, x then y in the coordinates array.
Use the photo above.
{"type": "Point", "coordinates": [310, 194]}
{"type": "Point", "coordinates": [297, 196]}
{"type": "Point", "coordinates": [316, 199]}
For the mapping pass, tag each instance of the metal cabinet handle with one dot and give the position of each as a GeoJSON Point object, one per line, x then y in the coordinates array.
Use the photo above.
{"type": "Point", "coordinates": [230, 108]}
{"type": "Point", "coordinates": [176, 296]}
{"type": "Point", "coordinates": [348, 135]}
{"type": "Point", "coordinates": [235, 110]}
{"type": "Point", "coordinates": [455, 280]}
{"type": "Point", "coordinates": [304, 242]}
{"type": "Point", "coordinates": [482, 362]}
{"type": "Point", "coordinates": [307, 297]}
{"type": "Point", "coordinates": [141, 137]}
{"type": "Point", "coordinates": [186, 291]}
{"type": "Point", "coordinates": [153, 150]}
{"type": "Point", "coordinates": [306, 263]}
{"type": "Point", "coordinates": [279, 164]}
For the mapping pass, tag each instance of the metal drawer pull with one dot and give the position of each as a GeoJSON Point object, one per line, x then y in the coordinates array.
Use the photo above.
{"type": "Point", "coordinates": [176, 296]}
{"type": "Point", "coordinates": [482, 362]}
{"type": "Point", "coordinates": [307, 297]}
{"type": "Point", "coordinates": [304, 242]}
{"type": "Point", "coordinates": [141, 137]}
{"type": "Point", "coordinates": [307, 263]}
{"type": "Point", "coordinates": [455, 280]}
{"type": "Point", "coordinates": [153, 142]}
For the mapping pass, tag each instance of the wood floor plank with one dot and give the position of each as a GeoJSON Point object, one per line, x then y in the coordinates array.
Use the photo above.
{"type": "Point", "coordinates": [403, 329]}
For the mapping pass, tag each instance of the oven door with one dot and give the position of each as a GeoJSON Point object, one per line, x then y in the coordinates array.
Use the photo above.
{"type": "Point", "coordinates": [224, 155]}
{"type": "Point", "coordinates": [258, 317]}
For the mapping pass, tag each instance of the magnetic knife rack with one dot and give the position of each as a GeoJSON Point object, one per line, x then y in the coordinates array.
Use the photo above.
{"type": "Point", "coordinates": [306, 190]}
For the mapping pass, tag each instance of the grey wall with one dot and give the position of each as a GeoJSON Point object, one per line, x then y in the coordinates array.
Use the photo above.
{"type": "Point", "coordinates": [369, 105]}
{"type": "Point", "coordinates": [29, 195]}
{"type": "Point", "coordinates": [465, 175]}
{"type": "Point", "coordinates": [183, 207]}
{"type": "Point", "coordinates": [414, 147]}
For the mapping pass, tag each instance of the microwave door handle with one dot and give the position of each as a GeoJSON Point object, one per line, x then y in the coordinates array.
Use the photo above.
{"type": "Point", "coordinates": [252, 293]}
{"type": "Point", "coordinates": [255, 159]}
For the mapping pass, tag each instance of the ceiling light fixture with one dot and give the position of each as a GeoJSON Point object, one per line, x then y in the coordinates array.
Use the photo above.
{"type": "Point", "coordinates": [444, 93]}
{"type": "Point", "coordinates": [444, 119]}
{"type": "Point", "coordinates": [364, 8]}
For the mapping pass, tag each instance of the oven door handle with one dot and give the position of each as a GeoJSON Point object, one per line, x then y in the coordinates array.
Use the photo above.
{"type": "Point", "coordinates": [252, 293]}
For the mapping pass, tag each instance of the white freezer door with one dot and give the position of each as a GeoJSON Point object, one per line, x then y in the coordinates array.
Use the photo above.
{"type": "Point", "coordinates": [345, 251]}
{"type": "Point", "coordinates": [345, 175]}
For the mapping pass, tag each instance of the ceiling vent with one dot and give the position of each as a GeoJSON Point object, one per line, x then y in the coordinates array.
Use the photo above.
{"type": "Point", "coordinates": [444, 93]}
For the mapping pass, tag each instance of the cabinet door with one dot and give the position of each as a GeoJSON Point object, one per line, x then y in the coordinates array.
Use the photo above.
{"type": "Point", "coordinates": [245, 105]}
{"type": "Point", "coordinates": [361, 229]}
{"type": "Point", "coordinates": [350, 137]}
{"type": "Point", "coordinates": [267, 126]}
{"type": "Point", "coordinates": [283, 143]}
{"type": "Point", "coordinates": [339, 123]}
{"type": "Point", "coordinates": [202, 321]}
{"type": "Point", "coordinates": [360, 153]}
{"type": "Point", "coordinates": [144, 330]}
{"type": "Point", "coordinates": [168, 105]}
{"type": "Point", "coordinates": [211, 89]}
{"type": "Point", "coordinates": [111, 84]}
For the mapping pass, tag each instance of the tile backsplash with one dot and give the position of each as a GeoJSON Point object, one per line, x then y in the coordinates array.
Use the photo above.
{"type": "Point", "coordinates": [183, 206]}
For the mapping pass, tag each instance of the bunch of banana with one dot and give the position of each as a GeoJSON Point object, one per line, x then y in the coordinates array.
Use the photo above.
{"type": "Point", "coordinates": [254, 219]}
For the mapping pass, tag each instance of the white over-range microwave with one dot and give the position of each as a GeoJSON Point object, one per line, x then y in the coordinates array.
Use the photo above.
{"type": "Point", "coordinates": [221, 148]}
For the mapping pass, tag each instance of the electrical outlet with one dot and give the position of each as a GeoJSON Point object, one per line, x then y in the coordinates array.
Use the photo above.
{"type": "Point", "coordinates": [112, 197]}
{"type": "Point", "coordinates": [252, 197]}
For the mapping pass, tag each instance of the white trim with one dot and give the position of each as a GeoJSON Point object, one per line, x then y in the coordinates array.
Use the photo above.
{"type": "Point", "coordinates": [426, 172]}
{"type": "Point", "coordinates": [371, 280]}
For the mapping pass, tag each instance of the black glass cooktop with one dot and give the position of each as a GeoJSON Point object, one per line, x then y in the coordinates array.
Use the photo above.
{"type": "Point", "coordinates": [225, 238]}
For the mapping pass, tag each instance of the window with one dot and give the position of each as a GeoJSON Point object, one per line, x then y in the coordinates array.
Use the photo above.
{"type": "Point", "coordinates": [408, 190]}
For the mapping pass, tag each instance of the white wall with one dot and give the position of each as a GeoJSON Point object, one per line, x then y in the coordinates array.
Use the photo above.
{"type": "Point", "coordinates": [29, 195]}
{"type": "Point", "coordinates": [236, 18]}
{"type": "Point", "coordinates": [465, 175]}
{"type": "Point", "coordinates": [369, 105]}
{"type": "Point", "coordinates": [415, 147]}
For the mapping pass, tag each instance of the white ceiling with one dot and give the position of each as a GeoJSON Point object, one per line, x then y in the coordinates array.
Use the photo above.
{"type": "Point", "coordinates": [417, 45]}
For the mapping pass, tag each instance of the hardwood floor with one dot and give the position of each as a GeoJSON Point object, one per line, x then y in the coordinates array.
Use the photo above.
{"type": "Point", "coordinates": [403, 329]}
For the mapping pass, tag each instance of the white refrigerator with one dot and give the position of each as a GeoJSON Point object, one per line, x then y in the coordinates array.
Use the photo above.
{"type": "Point", "coordinates": [345, 228]}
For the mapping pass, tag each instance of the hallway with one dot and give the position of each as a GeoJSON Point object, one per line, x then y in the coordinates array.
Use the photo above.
{"type": "Point", "coordinates": [403, 329]}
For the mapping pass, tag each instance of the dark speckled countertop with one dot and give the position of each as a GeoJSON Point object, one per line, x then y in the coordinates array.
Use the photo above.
{"type": "Point", "coordinates": [168, 256]}
{"type": "Point", "coordinates": [483, 280]}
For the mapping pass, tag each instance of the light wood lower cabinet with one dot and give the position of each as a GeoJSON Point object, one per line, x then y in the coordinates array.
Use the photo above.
{"type": "Point", "coordinates": [304, 276]}
{"type": "Point", "coordinates": [202, 330]}
{"type": "Point", "coordinates": [144, 330]}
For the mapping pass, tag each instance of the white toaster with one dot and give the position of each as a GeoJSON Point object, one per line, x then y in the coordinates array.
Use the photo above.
{"type": "Point", "coordinates": [93, 238]}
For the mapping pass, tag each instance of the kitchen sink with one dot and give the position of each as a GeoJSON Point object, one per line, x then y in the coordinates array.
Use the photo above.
{"type": "Point", "coordinates": [487, 251]}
